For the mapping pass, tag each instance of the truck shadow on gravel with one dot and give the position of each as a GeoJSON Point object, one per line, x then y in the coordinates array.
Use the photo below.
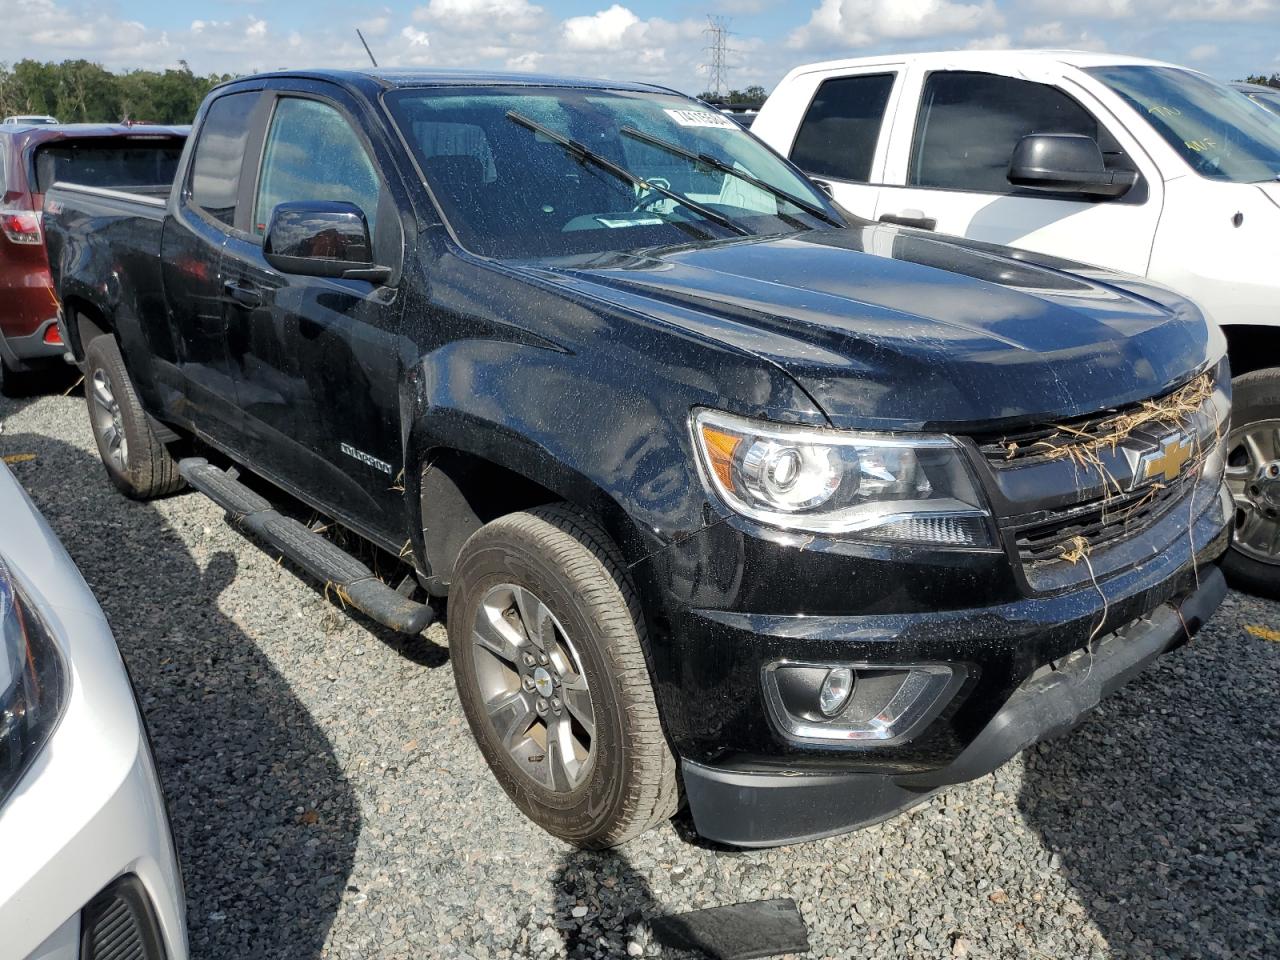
{"type": "Point", "coordinates": [1162, 809]}
{"type": "Point", "coordinates": [265, 821]}
{"type": "Point", "coordinates": [618, 903]}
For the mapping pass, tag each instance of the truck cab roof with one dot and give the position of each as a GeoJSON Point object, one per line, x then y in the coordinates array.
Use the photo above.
{"type": "Point", "coordinates": [983, 60]}
{"type": "Point", "coordinates": [394, 78]}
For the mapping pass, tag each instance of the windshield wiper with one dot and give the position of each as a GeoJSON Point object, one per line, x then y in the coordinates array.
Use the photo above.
{"type": "Point", "coordinates": [584, 155]}
{"type": "Point", "coordinates": [715, 163]}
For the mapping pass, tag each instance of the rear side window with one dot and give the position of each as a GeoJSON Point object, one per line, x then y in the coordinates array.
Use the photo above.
{"type": "Point", "coordinates": [103, 162]}
{"type": "Point", "coordinates": [312, 153]}
{"type": "Point", "coordinates": [219, 153]}
{"type": "Point", "coordinates": [970, 122]}
{"type": "Point", "coordinates": [838, 136]}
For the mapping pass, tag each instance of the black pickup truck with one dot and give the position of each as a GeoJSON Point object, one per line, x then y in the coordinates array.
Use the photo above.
{"type": "Point", "coordinates": [734, 499]}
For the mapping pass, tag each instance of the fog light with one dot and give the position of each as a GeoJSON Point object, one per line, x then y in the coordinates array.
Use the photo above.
{"type": "Point", "coordinates": [857, 704]}
{"type": "Point", "coordinates": [835, 691]}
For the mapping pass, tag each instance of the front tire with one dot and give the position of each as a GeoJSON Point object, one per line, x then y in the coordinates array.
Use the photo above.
{"type": "Point", "coordinates": [547, 643]}
{"type": "Point", "coordinates": [1252, 563]}
{"type": "Point", "coordinates": [135, 459]}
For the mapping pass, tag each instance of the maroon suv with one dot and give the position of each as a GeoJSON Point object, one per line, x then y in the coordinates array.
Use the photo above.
{"type": "Point", "coordinates": [32, 158]}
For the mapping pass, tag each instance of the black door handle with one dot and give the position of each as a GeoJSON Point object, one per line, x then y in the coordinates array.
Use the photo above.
{"type": "Point", "coordinates": [244, 296]}
{"type": "Point", "coordinates": [924, 223]}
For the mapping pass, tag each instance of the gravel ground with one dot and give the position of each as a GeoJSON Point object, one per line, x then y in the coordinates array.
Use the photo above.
{"type": "Point", "coordinates": [329, 802]}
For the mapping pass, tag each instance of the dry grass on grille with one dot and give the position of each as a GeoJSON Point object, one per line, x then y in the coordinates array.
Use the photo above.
{"type": "Point", "coordinates": [1085, 448]}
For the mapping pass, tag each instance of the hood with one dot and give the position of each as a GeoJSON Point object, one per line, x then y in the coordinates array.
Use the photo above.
{"type": "Point", "coordinates": [896, 329]}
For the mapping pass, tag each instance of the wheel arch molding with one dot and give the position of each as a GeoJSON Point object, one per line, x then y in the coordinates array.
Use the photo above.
{"type": "Point", "coordinates": [462, 471]}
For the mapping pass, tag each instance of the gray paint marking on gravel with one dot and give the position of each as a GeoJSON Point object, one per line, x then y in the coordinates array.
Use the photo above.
{"type": "Point", "coordinates": [328, 800]}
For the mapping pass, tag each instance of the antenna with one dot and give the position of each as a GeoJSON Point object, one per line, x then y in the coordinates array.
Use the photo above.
{"type": "Point", "coordinates": [366, 46]}
{"type": "Point", "coordinates": [717, 34]}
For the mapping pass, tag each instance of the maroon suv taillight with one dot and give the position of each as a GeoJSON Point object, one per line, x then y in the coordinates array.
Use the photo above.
{"type": "Point", "coordinates": [20, 226]}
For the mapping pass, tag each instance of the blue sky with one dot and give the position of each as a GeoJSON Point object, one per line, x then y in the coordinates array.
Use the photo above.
{"type": "Point", "coordinates": [656, 40]}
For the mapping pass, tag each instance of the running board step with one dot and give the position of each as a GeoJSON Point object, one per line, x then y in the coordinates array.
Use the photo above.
{"type": "Point", "coordinates": [326, 561]}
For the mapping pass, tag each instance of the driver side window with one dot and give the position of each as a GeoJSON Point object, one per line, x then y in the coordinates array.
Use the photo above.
{"type": "Point", "coordinates": [969, 124]}
{"type": "Point", "coordinates": [313, 154]}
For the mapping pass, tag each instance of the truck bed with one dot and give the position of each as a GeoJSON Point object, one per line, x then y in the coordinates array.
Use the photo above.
{"type": "Point", "coordinates": [104, 252]}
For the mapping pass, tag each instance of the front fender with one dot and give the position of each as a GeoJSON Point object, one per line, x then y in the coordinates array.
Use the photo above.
{"type": "Point", "coordinates": [586, 398]}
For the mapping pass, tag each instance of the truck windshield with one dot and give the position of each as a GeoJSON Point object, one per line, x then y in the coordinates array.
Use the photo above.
{"type": "Point", "coordinates": [1216, 129]}
{"type": "Point", "coordinates": [511, 190]}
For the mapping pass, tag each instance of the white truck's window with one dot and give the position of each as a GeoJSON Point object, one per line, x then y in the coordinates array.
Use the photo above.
{"type": "Point", "coordinates": [1216, 129]}
{"type": "Point", "coordinates": [215, 167]}
{"type": "Point", "coordinates": [969, 124]}
{"type": "Point", "coordinates": [313, 154]}
{"type": "Point", "coordinates": [839, 133]}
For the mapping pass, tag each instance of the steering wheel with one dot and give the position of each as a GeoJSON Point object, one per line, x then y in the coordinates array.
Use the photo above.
{"type": "Point", "coordinates": [645, 201]}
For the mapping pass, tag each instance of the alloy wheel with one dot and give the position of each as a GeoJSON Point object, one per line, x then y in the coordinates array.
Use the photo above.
{"type": "Point", "coordinates": [534, 688]}
{"type": "Point", "coordinates": [1253, 477]}
{"type": "Point", "coordinates": [108, 423]}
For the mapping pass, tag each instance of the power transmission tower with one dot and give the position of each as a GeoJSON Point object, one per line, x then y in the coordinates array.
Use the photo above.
{"type": "Point", "coordinates": [717, 34]}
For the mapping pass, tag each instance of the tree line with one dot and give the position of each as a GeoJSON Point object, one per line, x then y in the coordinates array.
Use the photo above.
{"type": "Point", "coordinates": [753, 94]}
{"type": "Point", "coordinates": [79, 91]}
{"type": "Point", "coordinates": [1271, 81]}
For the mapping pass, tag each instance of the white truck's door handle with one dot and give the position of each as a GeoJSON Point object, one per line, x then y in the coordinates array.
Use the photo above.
{"type": "Point", "coordinates": [910, 218]}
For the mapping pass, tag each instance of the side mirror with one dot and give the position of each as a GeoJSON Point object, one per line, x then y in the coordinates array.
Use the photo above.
{"type": "Point", "coordinates": [1066, 163]}
{"type": "Point", "coordinates": [322, 238]}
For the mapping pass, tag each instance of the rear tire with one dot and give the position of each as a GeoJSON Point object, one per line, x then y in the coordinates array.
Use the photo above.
{"type": "Point", "coordinates": [1255, 401]}
{"type": "Point", "coordinates": [135, 459]}
{"type": "Point", "coordinates": [619, 780]}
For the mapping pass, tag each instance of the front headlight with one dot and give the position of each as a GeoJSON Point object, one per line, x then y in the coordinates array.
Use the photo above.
{"type": "Point", "coordinates": [877, 487]}
{"type": "Point", "coordinates": [32, 684]}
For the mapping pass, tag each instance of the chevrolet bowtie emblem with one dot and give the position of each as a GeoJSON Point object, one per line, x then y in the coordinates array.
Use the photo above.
{"type": "Point", "coordinates": [1166, 463]}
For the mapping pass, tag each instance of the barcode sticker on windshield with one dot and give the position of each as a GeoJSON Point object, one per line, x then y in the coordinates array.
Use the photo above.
{"type": "Point", "coordinates": [700, 118]}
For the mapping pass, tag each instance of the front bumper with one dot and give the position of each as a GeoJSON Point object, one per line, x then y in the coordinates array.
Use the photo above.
{"type": "Point", "coordinates": [750, 781]}
{"type": "Point", "coordinates": [88, 815]}
{"type": "Point", "coordinates": [755, 808]}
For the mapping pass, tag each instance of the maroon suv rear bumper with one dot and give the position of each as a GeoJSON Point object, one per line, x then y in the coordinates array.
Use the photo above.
{"type": "Point", "coordinates": [28, 308]}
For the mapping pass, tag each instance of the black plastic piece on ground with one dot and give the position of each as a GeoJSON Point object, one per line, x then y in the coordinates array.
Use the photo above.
{"type": "Point", "coordinates": [761, 808]}
{"type": "Point", "coordinates": [759, 928]}
{"type": "Point", "coordinates": [353, 582]}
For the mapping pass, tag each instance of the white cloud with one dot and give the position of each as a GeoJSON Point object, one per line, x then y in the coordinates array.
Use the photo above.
{"type": "Point", "coordinates": [524, 62]}
{"type": "Point", "coordinates": [1224, 10]}
{"type": "Point", "coordinates": [1058, 35]}
{"type": "Point", "coordinates": [859, 23]}
{"type": "Point", "coordinates": [466, 16]}
{"type": "Point", "coordinates": [1088, 9]}
{"type": "Point", "coordinates": [997, 41]}
{"type": "Point", "coordinates": [599, 31]}
{"type": "Point", "coordinates": [613, 38]}
{"type": "Point", "coordinates": [416, 38]}
{"type": "Point", "coordinates": [1196, 10]}
{"type": "Point", "coordinates": [376, 26]}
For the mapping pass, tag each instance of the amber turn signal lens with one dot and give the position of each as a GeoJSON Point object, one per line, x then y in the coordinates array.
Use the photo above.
{"type": "Point", "coordinates": [721, 447]}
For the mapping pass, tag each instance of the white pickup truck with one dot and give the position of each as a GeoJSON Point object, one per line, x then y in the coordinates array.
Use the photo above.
{"type": "Point", "coordinates": [1132, 165]}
